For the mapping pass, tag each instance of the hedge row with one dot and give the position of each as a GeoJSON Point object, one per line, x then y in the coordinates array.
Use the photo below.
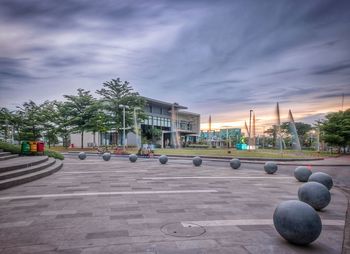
{"type": "Point", "coordinates": [10, 148]}
{"type": "Point", "coordinates": [16, 149]}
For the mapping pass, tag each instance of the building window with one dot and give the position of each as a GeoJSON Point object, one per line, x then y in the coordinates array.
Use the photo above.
{"type": "Point", "coordinates": [150, 108]}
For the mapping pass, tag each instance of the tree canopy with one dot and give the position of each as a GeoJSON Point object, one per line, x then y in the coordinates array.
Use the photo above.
{"type": "Point", "coordinates": [336, 129]}
{"type": "Point", "coordinates": [80, 112]}
{"type": "Point", "coordinates": [116, 93]}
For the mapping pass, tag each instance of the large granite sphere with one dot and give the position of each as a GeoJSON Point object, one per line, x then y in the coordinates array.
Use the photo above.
{"type": "Point", "coordinates": [270, 167]}
{"type": "Point", "coordinates": [302, 173]}
{"type": "Point", "coordinates": [314, 194]}
{"type": "Point", "coordinates": [132, 157]}
{"type": "Point", "coordinates": [106, 156]}
{"type": "Point", "coordinates": [235, 163]}
{"type": "Point", "coordinates": [323, 178]}
{"type": "Point", "coordinates": [197, 161]}
{"type": "Point", "coordinates": [82, 155]}
{"type": "Point", "coordinates": [297, 222]}
{"type": "Point", "coordinates": [163, 159]}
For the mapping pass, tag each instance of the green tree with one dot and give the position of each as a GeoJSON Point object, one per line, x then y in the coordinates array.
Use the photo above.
{"type": "Point", "coordinates": [50, 115]}
{"type": "Point", "coordinates": [153, 133]}
{"type": "Point", "coordinates": [81, 109]}
{"type": "Point", "coordinates": [303, 129]}
{"type": "Point", "coordinates": [116, 93]}
{"type": "Point", "coordinates": [31, 119]}
{"type": "Point", "coordinates": [336, 129]}
{"type": "Point", "coordinates": [63, 121]}
{"type": "Point", "coordinates": [5, 122]}
{"type": "Point", "coordinates": [99, 122]}
{"type": "Point", "coordinates": [272, 136]}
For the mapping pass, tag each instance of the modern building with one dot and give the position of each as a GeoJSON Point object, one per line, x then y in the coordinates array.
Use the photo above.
{"type": "Point", "coordinates": [177, 126]}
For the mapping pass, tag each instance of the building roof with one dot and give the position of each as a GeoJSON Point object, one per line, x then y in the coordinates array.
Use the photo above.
{"type": "Point", "coordinates": [188, 113]}
{"type": "Point", "coordinates": [178, 106]}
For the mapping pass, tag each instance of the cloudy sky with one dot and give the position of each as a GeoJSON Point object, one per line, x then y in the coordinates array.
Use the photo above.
{"type": "Point", "coordinates": [216, 57]}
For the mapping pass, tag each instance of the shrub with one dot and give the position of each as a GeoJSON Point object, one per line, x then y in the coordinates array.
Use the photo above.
{"type": "Point", "coordinates": [54, 154]}
{"type": "Point", "coordinates": [198, 146]}
{"type": "Point", "coordinates": [10, 148]}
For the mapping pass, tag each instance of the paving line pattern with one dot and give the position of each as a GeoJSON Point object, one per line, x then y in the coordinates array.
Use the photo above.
{"type": "Point", "coordinates": [250, 222]}
{"type": "Point", "coordinates": [106, 194]}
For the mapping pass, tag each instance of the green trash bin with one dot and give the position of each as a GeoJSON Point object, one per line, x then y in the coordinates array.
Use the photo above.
{"type": "Point", "coordinates": [25, 147]}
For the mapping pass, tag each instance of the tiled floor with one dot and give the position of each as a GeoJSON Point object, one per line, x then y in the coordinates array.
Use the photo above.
{"type": "Point", "coordinates": [119, 207]}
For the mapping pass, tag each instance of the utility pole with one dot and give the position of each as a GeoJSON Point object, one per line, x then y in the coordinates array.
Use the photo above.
{"type": "Point", "coordinates": [124, 138]}
{"type": "Point", "coordinates": [136, 127]}
{"type": "Point", "coordinates": [209, 135]}
{"type": "Point", "coordinates": [250, 128]}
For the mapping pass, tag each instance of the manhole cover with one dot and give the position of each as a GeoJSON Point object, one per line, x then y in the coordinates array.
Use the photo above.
{"type": "Point", "coordinates": [182, 229]}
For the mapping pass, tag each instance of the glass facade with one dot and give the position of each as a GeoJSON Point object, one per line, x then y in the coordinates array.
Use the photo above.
{"type": "Point", "coordinates": [157, 121]}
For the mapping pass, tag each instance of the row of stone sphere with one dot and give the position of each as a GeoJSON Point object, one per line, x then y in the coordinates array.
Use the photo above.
{"type": "Point", "coordinates": [105, 156]}
{"type": "Point", "coordinates": [296, 220]}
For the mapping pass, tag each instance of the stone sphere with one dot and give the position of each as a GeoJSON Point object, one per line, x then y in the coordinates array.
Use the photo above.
{"type": "Point", "coordinates": [302, 173]}
{"type": "Point", "coordinates": [270, 167]}
{"type": "Point", "coordinates": [297, 222]}
{"type": "Point", "coordinates": [314, 194]}
{"type": "Point", "coordinates": [323, 178]}
{"type": "Point", "coordinates": [132, 157]}
{"type": "Point", "coordinates": [197, 161]}
{"type": "Point", "coordinates": [235, 163]}
{"type": "Point", "coordinates": [106, 156]}
{"type": "Point", "coordinates": [163, 159]}
{"type": "Point", "coordinates": [82, 155]}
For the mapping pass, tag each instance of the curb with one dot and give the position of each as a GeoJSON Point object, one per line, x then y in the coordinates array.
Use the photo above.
{"type": "Point", "coordinates": [282, 162]}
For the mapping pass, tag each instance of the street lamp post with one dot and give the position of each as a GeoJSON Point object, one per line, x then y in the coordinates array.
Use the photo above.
{"type": "Point", "coordinates": [250, 128]}
{"type": "Point", "coordinates": [138, 138]}
{"type": "Point", "coordinates": [124, 107]}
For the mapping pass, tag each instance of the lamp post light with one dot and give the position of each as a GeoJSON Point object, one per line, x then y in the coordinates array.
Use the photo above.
{"type": "Point", "coordinates": [124, 107]}
{"type": "Point", "coordinates": [138, 138]}
{"type": "Point", "coordinates": [250, 128]}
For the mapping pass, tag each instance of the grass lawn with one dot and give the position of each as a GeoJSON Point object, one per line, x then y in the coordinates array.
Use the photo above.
{"type": "Point", "coordinates": [261, 153]}
{"type": "Point", "coordinates": [223, 152]}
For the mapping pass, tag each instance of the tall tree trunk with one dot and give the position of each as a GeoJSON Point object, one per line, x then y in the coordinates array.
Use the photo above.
{"type": "Point", "coordinates": [82, 139]}
{"type": "Point", "coordinates": [94, 133]}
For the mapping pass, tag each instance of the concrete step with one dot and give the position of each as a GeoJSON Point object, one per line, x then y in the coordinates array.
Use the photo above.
{"type": "Point", "coordinates": [4, 153]}
{"type": "Point", "coordinates": [27, 170]}
{"type": "Point", "coordinates": [8, 157]}
{"type": "Point", "coordinates": [8, 183]}
{"type": "Point", "coordinates": [21, 162]}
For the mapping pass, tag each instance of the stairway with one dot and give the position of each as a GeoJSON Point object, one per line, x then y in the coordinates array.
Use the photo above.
{"type": "Point", "coordinates": [18, 170]}
{"type": "Point", "coordinates": [6, 155]}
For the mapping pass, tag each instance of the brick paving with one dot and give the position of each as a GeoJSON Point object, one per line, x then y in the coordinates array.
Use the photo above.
{"type": "Point", "coordinates": [119, 207]}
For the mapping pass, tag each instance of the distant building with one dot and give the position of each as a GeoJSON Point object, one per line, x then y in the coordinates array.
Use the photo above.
{"type": "Point", "coordinates": [177, 126]}
{"type": "Point", "coordinates": [220, 137]}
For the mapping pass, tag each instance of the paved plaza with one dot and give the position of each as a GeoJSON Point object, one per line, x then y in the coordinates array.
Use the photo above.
{"type": "Point", "coordinates": [93, 206]}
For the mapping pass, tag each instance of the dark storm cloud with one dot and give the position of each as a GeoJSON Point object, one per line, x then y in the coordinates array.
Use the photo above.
{"type": "Point", "coordinates": [12, 68]}
{"type": "Point", "coordinates": [279, 72]}
{"type": "Point", "coordinates": [333, 69]}
{"type": "Point", "coordinates": [333, 95]}
{"type": "Point", "coordinates": [220, 83]}
{"type": "Point", "coordinates": [203, 54]}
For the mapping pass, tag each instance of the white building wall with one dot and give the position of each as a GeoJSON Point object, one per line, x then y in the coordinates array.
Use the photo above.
{"type": "Point", "coordinates": [131, 139]}
{"type": "Point", "coordinates": [88, 139]}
